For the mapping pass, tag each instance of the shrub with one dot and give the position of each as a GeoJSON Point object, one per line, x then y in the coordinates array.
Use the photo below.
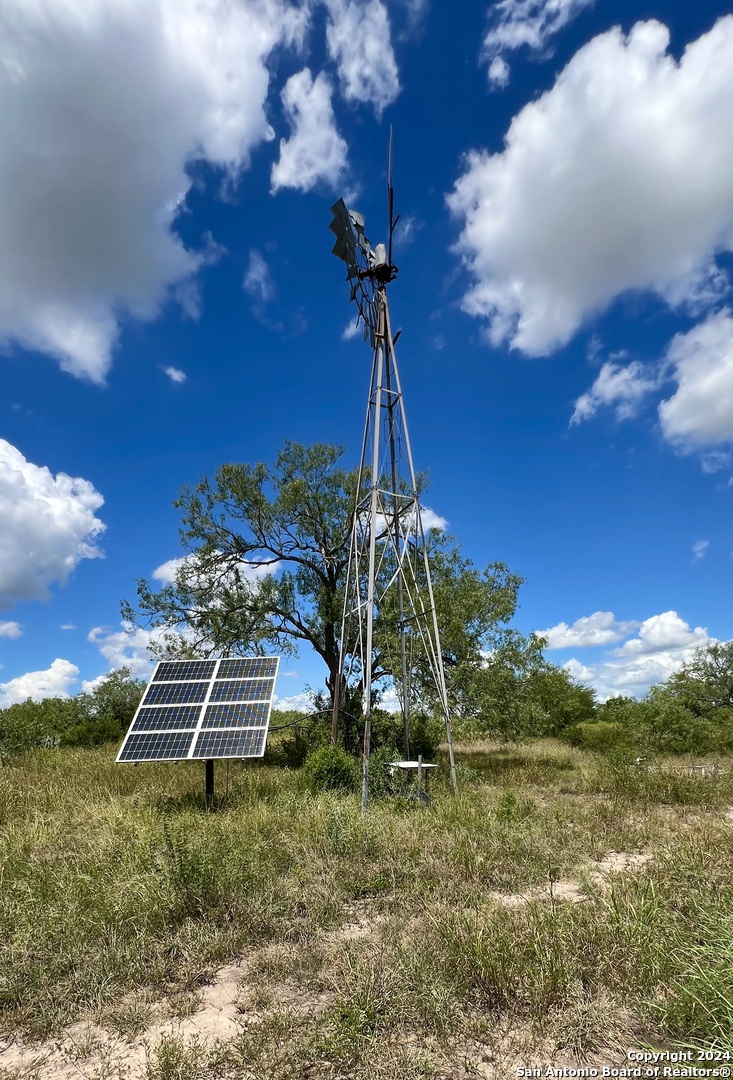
{"type": "Point", "coordinates": [92, 733]}
{"type": "Point", "coordinates": [381, 782]}
{"type": "Point", "coordinates": [670, 727]}
{"type": "Point", "coordinates": [329, 768]}
{"type": "Point", "coordinates": [38, 723]}
{"type": "Point", "coordinates": [597, 735]}
{"type": "Point", "coordinates": [426, 733]}
{"type": "Point", "coordinates": [291, 751]}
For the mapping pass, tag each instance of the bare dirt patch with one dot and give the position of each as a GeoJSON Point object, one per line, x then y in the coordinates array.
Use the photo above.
{"type": "Point", "coordinates": [615, 862]}
{"type": "Point", "coordinates": [88, 1051]}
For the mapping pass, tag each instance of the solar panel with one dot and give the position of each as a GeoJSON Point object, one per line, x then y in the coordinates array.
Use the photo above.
{"type": "Point", "coordinates": [241, 690]}
{"type": "Point", "coordinates": [203, 709]}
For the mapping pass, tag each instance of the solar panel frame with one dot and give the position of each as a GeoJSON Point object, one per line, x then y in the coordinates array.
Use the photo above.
{"type": "Point", "coordinates": [227, 714]}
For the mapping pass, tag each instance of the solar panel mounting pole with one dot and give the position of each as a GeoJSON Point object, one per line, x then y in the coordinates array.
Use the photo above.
{"type": "Point", "coordinates": [209, 778]}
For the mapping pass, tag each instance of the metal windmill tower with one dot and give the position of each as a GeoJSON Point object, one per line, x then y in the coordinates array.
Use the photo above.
{"type": "Point", "coordinates": [389, 566]}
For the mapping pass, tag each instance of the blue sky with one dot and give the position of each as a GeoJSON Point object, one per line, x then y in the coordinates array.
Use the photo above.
{"type": "Point", "coordinates": [168, 300]}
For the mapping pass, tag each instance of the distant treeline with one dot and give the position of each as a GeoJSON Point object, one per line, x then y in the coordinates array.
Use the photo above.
{"type": "Point", "coordinates": [690, 713]}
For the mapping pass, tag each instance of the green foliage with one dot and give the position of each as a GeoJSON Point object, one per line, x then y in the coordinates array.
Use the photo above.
{"type": "Point", "coordinates": [426, 734]}
{"type": "Point", "coordinates": [289, 752]}
{"type": "Point", "coordinates": [296, 516]}
{"type": "Point", "coordinates": [381, 783]}
{"type": "Point", "coordinates": [558, 701]}
{"type": "Point", "coordinates": [597, 735]}
{"type": "Point", "coordinates": [491, 694]}
{"type": "Point", "coordinates": [114, 700]}
{"type": "Point", "coordinates": [88, 719]}
{"type": "Point", "coordinates": [620, 710]}
{"type": "Point", "coordinates": [507, 807]}
{"type": "Point", "coordinates": [667, 725]}
{"type": "Point", "coordinates": [38, 723]}
{"type": "Point", "coordinates": [290, 749]}
{"type": "Point", "coordinates": [92, 733]}
{"type": "Point", "coordinates": [329, 768]}
{"type": "Point", "coordinates": [705, 682]}
{"type": "Point", "coordinates": [692, 713]}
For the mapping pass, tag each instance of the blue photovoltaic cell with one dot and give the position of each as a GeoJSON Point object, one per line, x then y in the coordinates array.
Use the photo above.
{"type": "Point", "coordinates": [236, 715]}
{"type": "Point", "coordinates": [175, 693]}
{"type": "Point", "coordinates": [242, 690]}
{"type": "Point", "coordinates": [242, 743]}
{"type": "Point", "coordinates": [255, 667]}
{"type": "Point", "coordinates": [178, 670]}
{"type": "Point", "coordinates": [166, 716]}
{"type": "Point", "coordinates": [158, 746]}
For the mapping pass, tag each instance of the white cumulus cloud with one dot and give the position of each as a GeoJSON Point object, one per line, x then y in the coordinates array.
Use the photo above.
{"type": "Point", "coordinates": [600, 628]}
{"type": "Point", "coordinates": [621, 387]}
{"type": "Point", "coordinates": [431, 520]}
{"type": "Point", "coordinates": [664, 643]}
{"type": "Point", "coordinates": [664, 633]}
{"type": "Point", "coordinates": [55, 681]}
{"type": "Point", "coordinates": [249, 571]}
{"type": "Point", "coordinates": [579, 672]}
{"type": "Point", "coordinates": [295, 703]}
{"type": "Point", "coordinates": [700, 412]}
{"type": "Point", "coordinates": [105, 104]}
{"type": "Point", "coordinates": [619, 178]}
{"type": "Point", "coordinates": [11, 630]}
{"type": "Point", "coordinates": [129, 647]}
{"type": "Point", "coordinates": [48, 527]}
{"type": "Point", "coordinates": [359, 41]}
{"type": "Point", "coordinates": [315, 150]}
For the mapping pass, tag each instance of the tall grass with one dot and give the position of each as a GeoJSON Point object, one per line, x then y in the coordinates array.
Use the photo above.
{"type": "Point", "coordinates": [115, 880]}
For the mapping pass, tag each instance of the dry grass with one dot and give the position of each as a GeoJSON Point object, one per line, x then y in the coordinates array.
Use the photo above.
{"type": "Point", "coordinates": [562, 908]}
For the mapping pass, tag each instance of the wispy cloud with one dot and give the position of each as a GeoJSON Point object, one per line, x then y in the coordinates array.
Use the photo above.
{"type": "Point", "coordinates": [699, 549]}
{"type": "Point", "coordinates": [601, 628]}
{"type": "Point", "coordinates": [258, 282]}
{"type": "Point", "coordinates": [351, 330]}
{"type": "Point", "coordinates": [530, 24]}
{"type": "Point", "coordinates": [175, 374]}
{"type": "Point", "coordinates": [259, 285]}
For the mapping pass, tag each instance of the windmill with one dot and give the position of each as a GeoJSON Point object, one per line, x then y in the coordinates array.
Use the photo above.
{"type": "Point", "coordinates": [389, 564]}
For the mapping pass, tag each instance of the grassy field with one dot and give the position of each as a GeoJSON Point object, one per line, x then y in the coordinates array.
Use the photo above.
{"type": "Point", "coordinates": [560, 909]}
